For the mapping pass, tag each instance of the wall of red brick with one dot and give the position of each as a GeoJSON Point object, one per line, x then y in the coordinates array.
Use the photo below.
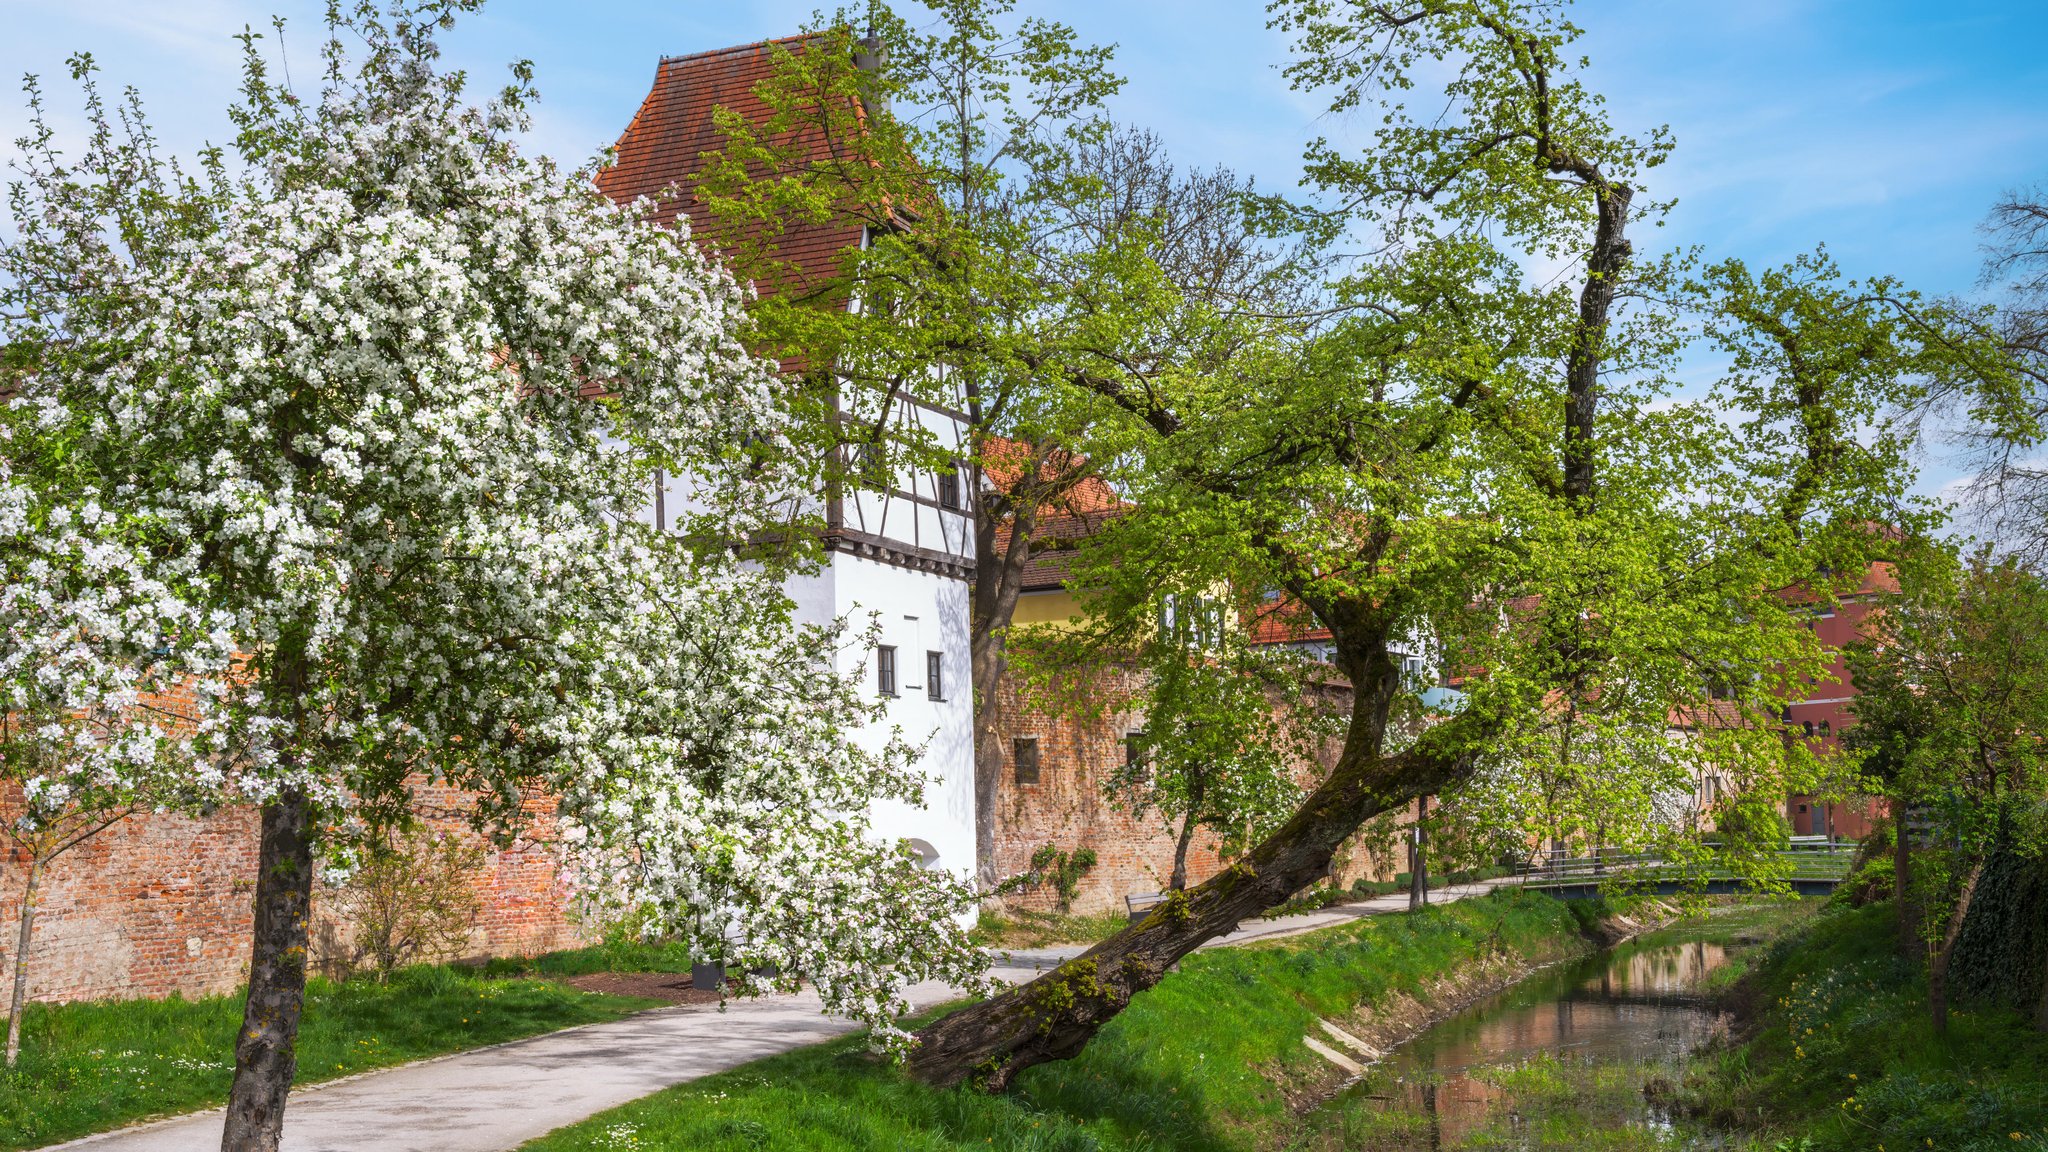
{"type": "Point", "coordinates": [1067, 807]}
{"type": "Point", "coordinates": [1821, 719]}
{"type": "Point", "coordinates": [160, 903]}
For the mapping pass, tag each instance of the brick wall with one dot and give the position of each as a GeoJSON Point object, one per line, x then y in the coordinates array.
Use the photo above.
{"type": "Point", "coordinates": [159, 904]}
{"type": "Point", "coordinates": [1067, 807]}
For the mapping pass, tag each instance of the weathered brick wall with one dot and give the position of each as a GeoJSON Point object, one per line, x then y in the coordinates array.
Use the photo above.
{"type": "Point", "coordinates": [1067, 807]}
{"type": "Point", "coordinates": [160, 903]}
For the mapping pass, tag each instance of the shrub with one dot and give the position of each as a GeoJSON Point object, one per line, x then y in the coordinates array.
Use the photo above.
{"type": "Point", "coordinates": [410, 900]}
{"type": "Point", "coordinates": [1062, 870]}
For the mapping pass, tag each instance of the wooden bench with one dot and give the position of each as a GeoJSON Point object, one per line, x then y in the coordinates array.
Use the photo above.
{"type": "Point", "coordinates": [1140, 904]}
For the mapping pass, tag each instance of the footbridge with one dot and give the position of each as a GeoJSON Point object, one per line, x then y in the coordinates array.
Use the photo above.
{"type": "Point", "coordinates": [1811, 866]}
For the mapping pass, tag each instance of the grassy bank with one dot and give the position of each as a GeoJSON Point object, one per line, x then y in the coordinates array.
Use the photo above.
{"type": "Point", "coordinates": [93, 1066]}
{"type": "Point", "coordinates": [1845, 1057]}
{"type": "Point", "coordinates": [1201, 1063]}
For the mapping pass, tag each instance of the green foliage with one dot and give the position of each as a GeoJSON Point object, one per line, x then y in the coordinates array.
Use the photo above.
{"type": "Point", "coordinates": [1491, 469]}
{"type": "Point", "coordinates": [1952, 714]}
{"type": "Point", "coordinates": [1186, 1067]}
{"type": "Point", "coordinates": [1029, 245]}
{"type": "Point", "coordinates": [1846, 1057]}
{"type": "Point", "coordinates": [1228, 726]}
{"type": "Point", "coordinates": [96, 1065]}
{"type": "Point", "coordinates": [1758, 820]}
{"type": "Point", "coordinates": [1872, 871]}
{"type": "Point", "coordinates": [1059, 869]}
{"type": "Point", "coordinates": [2001, 955]}
{"type": "Point", "coordinates": [1952, 702]}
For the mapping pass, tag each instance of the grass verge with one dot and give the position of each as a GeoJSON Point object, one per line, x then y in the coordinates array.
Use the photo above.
{"type": "Point", "coordinates": [1845, 1057]}
{"type": "Point", "coordinates": [1196, 1064]}
{"type": "Point", "coordinates": [92, 1066]}
{"type": "Point", "coordinates": [1026, 929]}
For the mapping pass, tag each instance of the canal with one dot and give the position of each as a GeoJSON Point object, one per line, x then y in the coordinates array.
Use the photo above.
{"type": "Point", "coordinates": [1559, 1061]}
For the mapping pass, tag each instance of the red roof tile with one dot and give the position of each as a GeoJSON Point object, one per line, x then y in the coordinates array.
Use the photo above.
{"type": "Point", "coordinates": [1077, 513]}
{"type": "Point", "coordinates": [665, 145]}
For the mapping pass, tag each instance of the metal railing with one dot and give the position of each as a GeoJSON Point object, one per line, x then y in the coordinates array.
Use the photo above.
{"type": "Point", "coordinates": [1805, 858]}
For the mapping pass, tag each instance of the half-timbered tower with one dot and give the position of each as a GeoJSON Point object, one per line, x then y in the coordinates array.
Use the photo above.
{"type": "Point", "coordinates": [899, 537]}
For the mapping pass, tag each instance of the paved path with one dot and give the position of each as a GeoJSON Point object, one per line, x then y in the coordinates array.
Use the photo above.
{"type": "Point", "coordinates": [496, 1098]}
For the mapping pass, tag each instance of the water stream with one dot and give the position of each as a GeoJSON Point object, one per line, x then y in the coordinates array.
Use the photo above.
{"type": "Point", "coordinates": [1556, 1060]}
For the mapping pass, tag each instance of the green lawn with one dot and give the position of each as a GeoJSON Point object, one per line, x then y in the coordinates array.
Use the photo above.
{"type": "Point", "coordinates": [92, 1066]}
{"type": "Point", "coordinates": [1026, 929]}
{"type": "Point", "coordinates": [1193, 1065]}
{"type": "Point", "coordinates": [1846, 1058]}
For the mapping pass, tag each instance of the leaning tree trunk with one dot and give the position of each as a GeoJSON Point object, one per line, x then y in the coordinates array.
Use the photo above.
{"type": "Point", "coordinates": [1937, 971]}
{"type": "Point", "coordinates": [266, 1052]}
{"type": "Point", "coordinates": [19, 1000]}
{"type": "Point", "coordinates": [1054, 1016]}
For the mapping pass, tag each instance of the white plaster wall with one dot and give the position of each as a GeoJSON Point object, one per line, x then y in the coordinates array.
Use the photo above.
{"type": "Point", "coordinates": [919, 612]}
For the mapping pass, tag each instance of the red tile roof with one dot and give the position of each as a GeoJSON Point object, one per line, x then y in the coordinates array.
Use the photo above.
{"type": "Point", "coordinates": [1076, 514]}
{"type": "Point", "coordinates": [1284, 620]}
{"type": "Point", "coordinates": [666, 143]}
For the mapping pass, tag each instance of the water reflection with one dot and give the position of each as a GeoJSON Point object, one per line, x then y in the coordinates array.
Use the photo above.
{"type": "Point", "coordinates": [1633, 1006]}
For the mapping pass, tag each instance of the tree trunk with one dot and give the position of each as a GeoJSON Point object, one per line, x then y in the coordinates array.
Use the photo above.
{"type": "Point", "coordinates": [1418, 858]}
{"type": "Point", "coordinates": [1605, 265]}
{"type": "Point", "coordinates": [266, 1052]}
{"type": "Point", "coordinates": [1054, 1016]}
{"type": "Point", "coordinates": [2041, 1010]}
{"type": "Point", "coordinates": [1179, 880]}
{"type": "Point", "coordinates": [19, 1000]}
{"type": "Point", "coordinates": [997, 580]}
{"type": "Point", "coordinates": [1937, 972]}
{"type": "Point", "coordinates": [1902, 886]}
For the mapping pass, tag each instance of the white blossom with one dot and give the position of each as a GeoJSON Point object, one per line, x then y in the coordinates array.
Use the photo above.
{"type": "Point", "coordinates": [310, 437]}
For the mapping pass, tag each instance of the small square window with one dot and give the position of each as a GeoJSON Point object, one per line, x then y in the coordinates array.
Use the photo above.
{"type": "Point", "coordinates": [885, 669]}
{"type": "Point", "coordinates": [934, 675]}
{"type": "Point", "coordinates": [1024, 750]}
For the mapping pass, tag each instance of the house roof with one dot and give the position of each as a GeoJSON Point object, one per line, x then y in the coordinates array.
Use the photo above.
{"type": "Point", "coordinates": [1077, 513]}
{"type": "Point", "coordinates": [665, 146]}
{"type": "Point", "coordinates": [1283, 620]}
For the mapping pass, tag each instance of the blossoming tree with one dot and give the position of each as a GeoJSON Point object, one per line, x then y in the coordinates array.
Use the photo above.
{"type": "Point", "coordinates": [82, 736]}
{"type": "Point", "coordinates": [362, 410]}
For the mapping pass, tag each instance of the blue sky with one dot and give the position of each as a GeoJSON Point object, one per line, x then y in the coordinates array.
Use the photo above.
{"type": "Point", "coordinates": [1883, 128]}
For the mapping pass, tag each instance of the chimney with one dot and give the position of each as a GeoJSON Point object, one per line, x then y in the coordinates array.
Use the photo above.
{"type": "Point", "coordinates": [868, 56]}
